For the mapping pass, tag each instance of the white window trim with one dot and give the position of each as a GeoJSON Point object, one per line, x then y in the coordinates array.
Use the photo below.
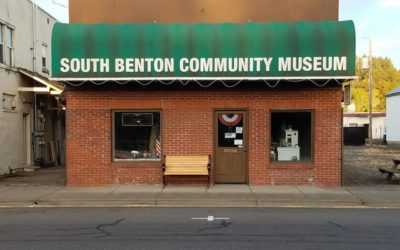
{"type": "Point", "coordinates": [45, 69]}
{"type": "Point", "coordinates": [3, 26]}
{"type": "Point", "coordinates": [11, 49]}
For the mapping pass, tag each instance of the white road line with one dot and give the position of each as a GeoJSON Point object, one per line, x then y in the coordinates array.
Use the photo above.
{"type": "Point", "coordinates": [209, 218]}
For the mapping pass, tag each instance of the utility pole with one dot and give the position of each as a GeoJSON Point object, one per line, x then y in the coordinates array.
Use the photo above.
{"type": "Point", "coordinates": [370, 90]}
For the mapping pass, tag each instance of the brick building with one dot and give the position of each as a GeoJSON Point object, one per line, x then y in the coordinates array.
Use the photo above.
{"type": "Point", "coordinates": [258, 91]}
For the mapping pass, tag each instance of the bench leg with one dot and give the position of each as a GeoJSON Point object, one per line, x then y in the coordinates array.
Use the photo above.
{"type": "Point", "coordinates": [389, 177]}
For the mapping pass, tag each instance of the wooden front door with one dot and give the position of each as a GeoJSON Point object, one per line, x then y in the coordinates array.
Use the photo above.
{"type": "Point", "coordinates": [230, 139]}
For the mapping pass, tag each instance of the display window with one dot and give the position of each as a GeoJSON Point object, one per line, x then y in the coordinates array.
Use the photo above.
{"type": "Point", "coordinates": [291, 136]}
{"type": "Point", "coordinates": [137, 135]}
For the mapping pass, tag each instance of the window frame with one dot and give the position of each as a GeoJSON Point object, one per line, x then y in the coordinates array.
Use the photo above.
{"type": "Point", "coordinates": [9, 50]}
{"type": "Point", "coordinates": [12, 98]}
{"type": "Point", "coordinates": [312, 131]}
{"type": "Point", "coordinates": [44, 61]}
{"type": "Point", "coordinates": [2, 42]}
{"type": "Point", "coordinates": [44, 56]}
{"type": "Point", "coordinates": [113, 159]}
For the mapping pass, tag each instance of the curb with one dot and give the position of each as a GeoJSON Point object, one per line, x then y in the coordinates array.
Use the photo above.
{"type": "Point", "coordinates": [249, 203]}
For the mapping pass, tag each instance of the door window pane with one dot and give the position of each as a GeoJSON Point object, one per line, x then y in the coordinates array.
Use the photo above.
{"type": "Point", "coordinates": [137, 135]}
{"type": "Point", "coordinates": [230, 130]}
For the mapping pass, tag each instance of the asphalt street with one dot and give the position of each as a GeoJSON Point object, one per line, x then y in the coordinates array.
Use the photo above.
{"type": "Point", "coordinates": [198, 228]}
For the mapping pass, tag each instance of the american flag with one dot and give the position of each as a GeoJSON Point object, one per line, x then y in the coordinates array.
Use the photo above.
{"type": "Point", "coordinates": [158, 147]}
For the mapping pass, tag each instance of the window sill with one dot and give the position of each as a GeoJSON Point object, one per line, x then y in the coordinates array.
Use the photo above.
{"type": "Point", "coordinates": [291, 164]}
{"type": "Point", "coordinates": [9, 111]}
{"type": "Point", "coordinates": [136, 160]}
{"type": "Point", "coordinates": [156, 164]}
{"type": "Point", "coordinates": [7, 67]}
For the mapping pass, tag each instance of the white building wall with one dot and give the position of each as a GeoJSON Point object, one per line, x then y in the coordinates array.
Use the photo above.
{"type": "Point", "coordinates": [11, 122]}
{"type": "Point", "coordinates": [18, 14]}
{"type": "Point", "coordinates": [378, 124]}
{"type": "Point", "coordinates": [393, 118]}
{"type": "Point", "coordinates": [44, 29]}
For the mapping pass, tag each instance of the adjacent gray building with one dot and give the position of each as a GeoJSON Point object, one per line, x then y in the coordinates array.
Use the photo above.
{"type": "Point", "coordinates": [31, 115]}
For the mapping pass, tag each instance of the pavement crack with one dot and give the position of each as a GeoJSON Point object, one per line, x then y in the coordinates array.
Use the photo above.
{"type": "Point", "coordinates": [338, 225]}
{"type": "Point", "coordinates": [221, 225]}
{"type": "Point", "coordinates": [105, 232]}
{"type": "Point", "coordinates": [355, 196]}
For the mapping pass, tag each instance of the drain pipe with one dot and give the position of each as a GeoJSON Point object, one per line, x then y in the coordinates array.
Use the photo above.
{"type": "Point", "coordinates": [34, 35]}
{"type": "Point", "coordinates": [35, 115]}
{"type": "Point", "coordinates": [34, 60]}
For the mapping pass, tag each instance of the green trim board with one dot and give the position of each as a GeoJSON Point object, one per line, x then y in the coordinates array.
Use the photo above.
{"type": "Point", "coordinates": [300, 50]}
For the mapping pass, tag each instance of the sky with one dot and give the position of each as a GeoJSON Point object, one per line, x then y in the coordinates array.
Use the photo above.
{"type": "Point", "coordinates": [56, 8]}
{"type": "Point", "coordinates": [375, 19]}
{"type": "Point", "coordinates": [378, 20]}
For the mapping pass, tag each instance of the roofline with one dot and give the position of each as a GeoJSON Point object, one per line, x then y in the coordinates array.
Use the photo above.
{"type": "Point", "coordinates": [392, 94]}
{"type": "Point", "coordinates": [47, 13]}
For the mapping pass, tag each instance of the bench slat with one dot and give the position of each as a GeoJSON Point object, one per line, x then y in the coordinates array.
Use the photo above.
{"type": "Point", "coordinates": [180, 157]}
{"type": "Point", "coordinates": [194, 161]}
{"type": "Point", "coordinates": [186, 163]}
{"type": "Point", "coordinates": [196, 172]}
{"type": "Point", "coordinates": [182, 164]}
{"type": "Point", "coordinates": [187, 167]}
{"type": "Point", "coordinates": [184, 169]}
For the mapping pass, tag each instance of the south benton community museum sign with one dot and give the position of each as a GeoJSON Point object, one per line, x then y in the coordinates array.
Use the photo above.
{"type": "Point", "coordinates": [315, 50]}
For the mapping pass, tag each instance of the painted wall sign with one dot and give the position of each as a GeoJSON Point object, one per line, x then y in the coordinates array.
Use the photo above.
{"type": "Point", "coordinates": [204, 51]}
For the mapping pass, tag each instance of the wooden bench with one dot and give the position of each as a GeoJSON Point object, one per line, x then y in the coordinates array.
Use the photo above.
{"type": "Point", "coordinates": [391, 171]}
{"type": "Point", "coordinates": [186, 165]}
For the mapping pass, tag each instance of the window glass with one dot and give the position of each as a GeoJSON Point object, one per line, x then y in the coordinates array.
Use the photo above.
{"type": "Point", "coordinates": [9, 46]}
{"type": "Point", "coordinates": [291, 136]}
{"type": "Point", "coordinates": [1, 44]}
{"type": "Point", "coordinates": [44, 50]}
{"type": "Point", "coordinates": [230, 130]}
{"type": "Point", "coordinates": [137, 135]}
{"type": "Point", "coordinates": [9, 37]}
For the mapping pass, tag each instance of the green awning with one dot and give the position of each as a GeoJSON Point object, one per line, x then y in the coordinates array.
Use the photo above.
{"type": "Point", "coordinates": [302, 50]}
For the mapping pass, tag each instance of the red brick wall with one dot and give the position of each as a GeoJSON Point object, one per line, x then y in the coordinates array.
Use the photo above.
{"type": "Point", "coordinates": [187, 128]}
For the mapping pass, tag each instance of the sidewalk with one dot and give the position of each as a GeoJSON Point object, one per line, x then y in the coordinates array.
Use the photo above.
{"type": "Point", "coordinates": [383, 196]}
